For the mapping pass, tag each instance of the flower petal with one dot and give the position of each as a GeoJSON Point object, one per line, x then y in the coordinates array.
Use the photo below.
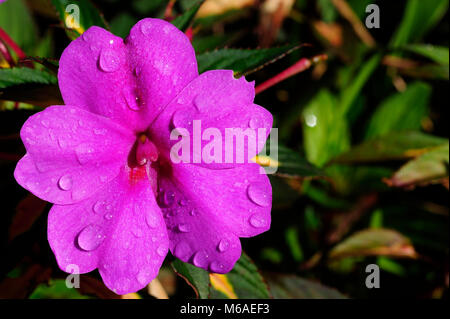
{"type": "Point", "coordinates": [120, 231]}
{"type": "Point", "coordinates": [220, 104]}
{"type": "Point", "coordinates": [207, 210]}
{"type": "Point", "coordinates": [105, 75]}
{"type": "Point", "coordinates": [71, 153]}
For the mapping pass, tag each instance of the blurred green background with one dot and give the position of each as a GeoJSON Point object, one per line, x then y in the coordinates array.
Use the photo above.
{"type": "Point", "coordinates": [363, 134]}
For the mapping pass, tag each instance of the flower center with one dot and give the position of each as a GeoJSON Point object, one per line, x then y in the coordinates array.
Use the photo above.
{"type": "Point", "coordinates": [146, 151]}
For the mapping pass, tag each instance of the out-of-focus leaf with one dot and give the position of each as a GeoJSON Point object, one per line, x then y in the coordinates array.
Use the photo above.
{"type": "Point", "coordinates": [293, 287]}
{"type": "Point", "coordinates": [392, 146]}
{"type": "Point", "coordinates": [424, 169]}
{"type": "Point", "coordinates": [401, 111]}
{"type": "Point", "coordinates": [289, 164]}
{"type": "Point", "coordinates": [239, 60]}
{"type": "Point", "coordinates": [325, 129]}
{"type": "Point", "coordinates": [56, 289]}
{"type": "Point", "coordinates": [427, 71]}
{"type": "Point", "coordinates": [244, 282]}
{"type": "Point", "coordinates": [19, 76]}
{"type": "Point", "coordinates": [374, 242]}
{"type": "Point", "coordinates": [27, 212]}
{"type": "Point", "coordinates": [435, 53]}
{"type": "Point", "coordinates": [419, 17]}
{"type": "Point", "coordinates": [122, 23]}
{"type": "Point", "coordinates": [31, 86]}
{"type": "Point", "coordinates": [350, 94]}
{"type": "Point", "coordinates": [196, 277]}
{"type": "Point", "coordinates": [22, 286]}
{"type": "Point", "coordinates": [88, 16]}
{"type": "Point", "coordinates": [17, 21]}
{"type": "Point", "coordinates": [183, 21]}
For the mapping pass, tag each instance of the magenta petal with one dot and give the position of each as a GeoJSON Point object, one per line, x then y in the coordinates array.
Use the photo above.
{"type": "Point", "coordinates": [128, 82]}
{"type": "Point", "coordinates": [70, 153]}
{"type": "Point", "coordinates": [217, 101]}
{"type": "Point", "coordinates": [120, 231]}
{"type": "Point", "coordinates": [163, 60]}
{"type": "Point", "coordinates": [207, 210]}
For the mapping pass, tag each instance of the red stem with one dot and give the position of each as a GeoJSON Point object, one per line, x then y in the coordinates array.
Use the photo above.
{"type": "Point", "coordinates": [6, 38]}
{"type": "Point", "coordinates": [298, 67]}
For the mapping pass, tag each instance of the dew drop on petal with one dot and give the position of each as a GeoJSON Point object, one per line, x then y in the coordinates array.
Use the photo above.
{"type": "Point", "coordinates": [257, 195]}
{"type": "Point", "coordinates": [182, 250]}
{"type": "Point", "coordinates": [65, 183]}
{"type": "Point", "coordinates": [45, 123]}
{"type": "Point", "coordinates": [217, 267]}
{"type": "Point", "coordinates": [201, 103]}
{"type": "Point", "coordinates": [109, 61]}
{"type": "Point", "coordinates": [253, 123]}
{"type": "Point", "coordinates": [90, 237]}
{"type": "Point", "coordinates": [131, 100]}
{"type": "Point", "coordinates": [137, 232]}
{"type": "Point", "coordinates": [182, 202]}
{"type": "Point", "coordinates": [145, 28]}
{"type": "Point", "coordinates": [168, 198]}
{"type": "Point", "coordinates": [193, 212]}
{"type": "Point", "coordinates": [108, 216]}
{"type": "Point", "coordinates": [257, 221]}
{"type": "Point", "coordinates": [201, 258]}
{"type": "Point", "coordinates": [143, 277]}
{"type": "Point", "coordinates": [184, 228]}
{"type": "Point", "coordinates": [151, 220]}
{"type": "Point", "coordinates": [161, 251]}
{"type": "Point", "coordinates": [223, 245]}
{"type": "Point", "coordinates": [84, 153]}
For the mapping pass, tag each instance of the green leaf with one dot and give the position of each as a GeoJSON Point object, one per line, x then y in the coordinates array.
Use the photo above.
{"type": "Point", "coordinates": [88, 16]}
{"type": "Point", "coordinates": [374, 242]}
{"type": "Point", "coordinates": [424, 169]}
{"type": "Point", "coordinates": [392, 146]}
{"type": "Point", "coordinates": [293, 287]}
{"type": "Point", "coordinates": [183, 21]}
{"type": "Point", "coordinates": [239, 60]}
{"type": "Point", "coordinates": [17, 21]}
{"type": "Point", "coordinates": [196, 277]}
{"type": "Point", "coordinates": [30, 86]}
{"type": "Point", "coordinates": [435, 53]}
{"type": "Point", "coordinates": [289, 163]}
{"type": "Point", "coordinates": [243, 282]}
{"type": "Point", "coordinates": [401, 111]}
{"type": "Point", "coordinates": [419, 17]}
{"type": "Point", "coordinates": [350, 94]}
{"type": "Point", "coordinates": [17, 76]}
{"type": "Point", "coordinates": [325, 130]}
{"type": "Point", "coordinates": [56, 289]}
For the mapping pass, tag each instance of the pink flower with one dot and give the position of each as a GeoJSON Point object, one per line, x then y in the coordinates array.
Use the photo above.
{"type": "Point", "coordinates": [103, 159]}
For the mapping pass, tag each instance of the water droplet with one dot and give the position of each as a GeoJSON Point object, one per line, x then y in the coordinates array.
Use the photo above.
{"type": "Point", "coordinates": [84, 153]}
{"type": "Point", "coordinates": [201, 103]}
{"type": "Point", "coordinates": [257, 221]}
{"type": "Point", "coordinates": [100, 131]}
{"type": "Point", "coordinates": [201, 258]}
{"type": "Point", "coordinates": [257, 194]}
{"type": "Point", "coordinates": [65, 183]}
{"type": "Point", "coordinates": [182, 202]}
{"type": "Point", "coordinates": [168, 197]}
{"type": "Point", "coordinates": [151, 220]}
{"type": "Point", "coordinates": [90, 237]}
{"type": "Point", "coordinates": [217, 267]}
{"type": "Point", "coordinates": [45, 123]}
{"type": "Point", "coordinates": [184, 228]}
{"type": "Point", "coordinates": [145, 28]}
{"type": "Point", "coordinates": [254, 123]}
{"type": "Point", "coordinates": [311, 120]}
{"type": "Point", "coordinates": [193, 212]}
{"type": "Point", "coordinates": [223, 245]}
{"type": "Point", "coordinates": [131, 100]}
{"type": "Point", "coordinates": [109, 61]}
{"type": "Point", "coordinates": [182, 250]}
{"type": "Point", "coordinates": [143, 277]}
{"type": "Point", "coordinates": [161, 251]}
{"type": "Point", "coordinates": [137, 232]}
{"type": "Point", "coordinates": [108, 216]}
{"type": "Point", "coordinates": [97, 208]}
